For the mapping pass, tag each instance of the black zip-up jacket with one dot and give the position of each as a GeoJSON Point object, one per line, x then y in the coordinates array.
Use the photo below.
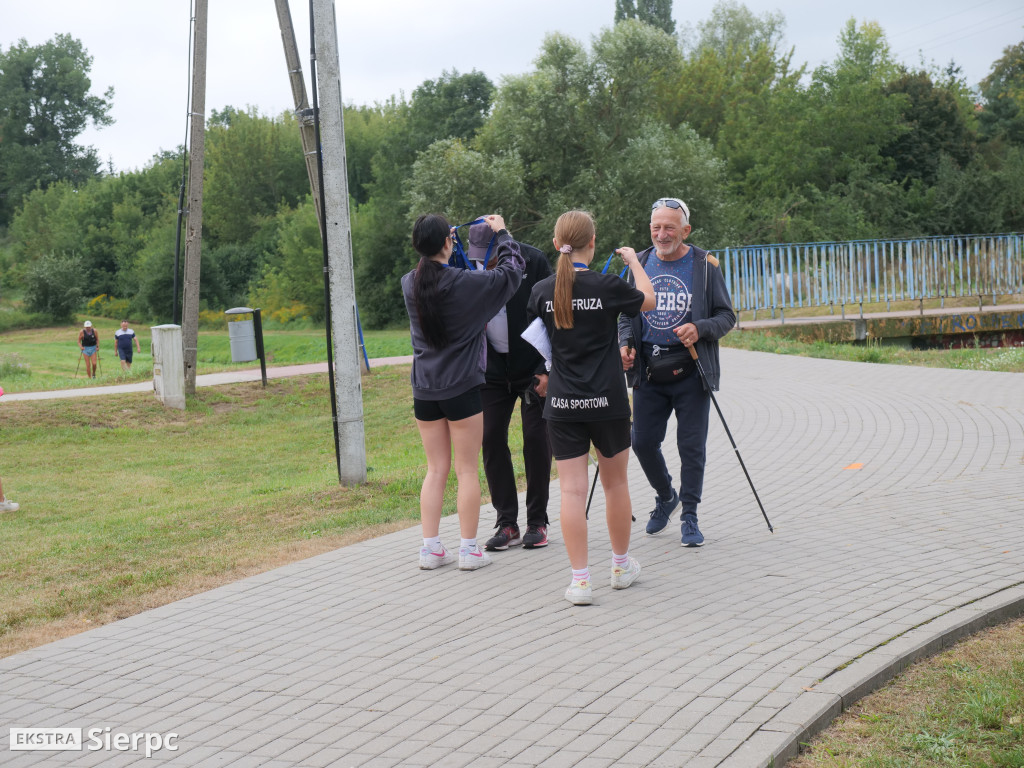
{"type": "Point", "coordinates": [517, 368]}
{"type": "Point", "coordinates": [711, 311]}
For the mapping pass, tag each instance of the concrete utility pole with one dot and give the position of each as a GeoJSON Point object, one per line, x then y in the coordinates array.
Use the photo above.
{"type": "Point", "coordinates": [338, 233]}
{"type": "Point", "coordinates": [194, 239]}
{"type": "Point", "coordinates": [302, 109]}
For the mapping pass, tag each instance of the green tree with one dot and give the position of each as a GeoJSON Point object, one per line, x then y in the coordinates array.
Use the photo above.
{"type": "Point", "coordinates": [45, 104]}
{"type": "Point", "coordinates": [734, 69]}
{"type": "Point", "coordinates": [253, 163]}
{"type": "Point", "coordinates": [105, 222]}
{"type": "Point", "coordinates": [52, 286]}
{"type": "Point", "coordinates": [296, 277]}
{"type": "Point", "coordinates": [452, 107]}
{"type": "Point", "coordinates": [656, 13]}
{"type": "Point", "coordinates": [1003, 91]}
{"type": "Point", "coordinates": [364, 134]}
{"type": "Point", "coordinates": [464, 183]}
{"type": "Point", "coordinates": [580, 110]}
{"type": "Point", "coordinates": [732, 26]}
{"type": "Point", "coordinates": [812, 166]}
{"type": "Point", "coordinates": [938, 121]}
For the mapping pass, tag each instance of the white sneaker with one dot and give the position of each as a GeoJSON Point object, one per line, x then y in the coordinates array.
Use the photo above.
{"type": "Point", "coordinates": [623, 576]}
{"type": "Point", "coordinates": [580, 593]}
{"type": "Point", "coordinates": [431, 560]}
{"type": "Point", "coordinates": [6, 505]}
{"type": "Point", "coordinates": [471, 558]}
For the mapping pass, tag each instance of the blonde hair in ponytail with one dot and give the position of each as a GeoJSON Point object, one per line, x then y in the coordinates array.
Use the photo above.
{"type": "Point", "coordinates": [574, 229]}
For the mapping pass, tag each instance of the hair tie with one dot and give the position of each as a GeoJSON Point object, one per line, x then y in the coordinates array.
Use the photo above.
{"type": "Point", "coordinates": [565, 249]}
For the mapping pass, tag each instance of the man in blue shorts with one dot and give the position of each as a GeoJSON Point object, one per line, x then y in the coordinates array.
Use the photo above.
{"type": "Point", "coordinates": [123, 339]}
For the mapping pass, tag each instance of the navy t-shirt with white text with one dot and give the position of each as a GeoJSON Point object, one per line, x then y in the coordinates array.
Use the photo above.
{"type": "Point", "coordinates": [672, 281]}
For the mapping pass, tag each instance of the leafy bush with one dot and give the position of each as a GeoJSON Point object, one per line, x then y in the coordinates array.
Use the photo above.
{"type": "Point", "coordinates": [107, 306]}
{"type": "Point", "coordinates": [53, 285]}
{"type": "Point", "coordinates": [212, 320]}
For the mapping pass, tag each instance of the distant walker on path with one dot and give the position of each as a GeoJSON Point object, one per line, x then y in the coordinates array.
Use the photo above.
{"type": "Point", "coordinates": [123, 339]}
{"type": "Point", "coordinates": [89, 343]}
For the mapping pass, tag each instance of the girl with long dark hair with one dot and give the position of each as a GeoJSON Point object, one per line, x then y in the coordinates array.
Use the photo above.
{"type": "Point", "coordinates": [587, 401]}
{"type": "Point", "coordinates": [448, 310]}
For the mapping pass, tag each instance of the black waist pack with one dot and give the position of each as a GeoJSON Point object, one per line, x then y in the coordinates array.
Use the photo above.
{"type": "Point", "coordinates": [666, 365]}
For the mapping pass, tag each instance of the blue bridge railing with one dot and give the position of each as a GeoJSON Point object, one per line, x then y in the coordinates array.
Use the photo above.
{"type": "Point", "coordinates": [789, 275]}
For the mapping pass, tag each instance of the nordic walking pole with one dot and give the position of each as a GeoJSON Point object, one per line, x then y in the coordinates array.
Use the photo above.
{"type": "Point", "coordinates": [700, 369]}
{"type": "Point", "coordinates": [81, 354]}
{"type": "Point", "coordinates": [593, 485]}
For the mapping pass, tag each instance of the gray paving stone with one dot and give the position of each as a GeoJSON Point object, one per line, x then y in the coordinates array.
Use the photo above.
{"type": "Point", "coordinates": [704, 661]}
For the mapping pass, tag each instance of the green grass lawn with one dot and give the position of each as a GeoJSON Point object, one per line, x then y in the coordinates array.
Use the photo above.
{"type": "Point", "coordinates": [126, 504]}
{"type": "Point", "coordinates": [48, 358]}
{"type": "Point", "coordinates": [963, 708]}
{"type": "Point", "coordinates": [1006, 359]}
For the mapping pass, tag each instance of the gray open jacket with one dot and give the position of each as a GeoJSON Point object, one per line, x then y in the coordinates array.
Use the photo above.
{"type": "Point", "coordinates": [468, 300]}
{"type": "Point", "coordinates": [711, 310]}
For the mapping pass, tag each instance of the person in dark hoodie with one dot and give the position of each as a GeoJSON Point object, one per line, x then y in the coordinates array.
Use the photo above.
{"type": "Point", "coordinates": [448, 310]}
{"type": "Point", "coordinates": [515, 374]}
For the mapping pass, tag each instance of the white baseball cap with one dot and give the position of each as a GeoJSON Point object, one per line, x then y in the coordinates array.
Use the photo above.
{"type": "Point", "coordinates": [88, 324]}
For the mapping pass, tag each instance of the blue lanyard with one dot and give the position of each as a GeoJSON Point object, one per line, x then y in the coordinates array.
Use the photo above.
{"type": "Point", "coordinates": [609, 263]}
{"type": "Point", "coordinates": [578, 265]}
{"type": "Point", "coordinates": [458, 257]}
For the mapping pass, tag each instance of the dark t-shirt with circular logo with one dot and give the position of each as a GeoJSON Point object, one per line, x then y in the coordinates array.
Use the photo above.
{"type": "Point", "coordinates": [586, 382]}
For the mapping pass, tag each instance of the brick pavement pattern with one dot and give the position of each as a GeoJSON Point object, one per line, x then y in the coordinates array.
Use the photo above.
{"type": "Point", "coordinates": [896, 496]}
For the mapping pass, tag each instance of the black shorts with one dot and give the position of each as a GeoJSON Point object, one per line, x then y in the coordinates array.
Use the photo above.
{"type": "Point", "coordinates": [454, 408]}
{"type": "Point", "coordinates": [570, 439]}
{"type": "Point", "coordinates": [125, 354]}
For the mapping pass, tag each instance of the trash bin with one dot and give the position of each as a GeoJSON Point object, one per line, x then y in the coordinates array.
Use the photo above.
{"type": "Point", "coordinates": [241, 335]}
{"type": "Point", "coordinates": [246, 338]}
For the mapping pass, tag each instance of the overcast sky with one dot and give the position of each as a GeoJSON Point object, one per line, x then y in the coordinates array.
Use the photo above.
{"type": "Point", "coordinates": [140, 47]}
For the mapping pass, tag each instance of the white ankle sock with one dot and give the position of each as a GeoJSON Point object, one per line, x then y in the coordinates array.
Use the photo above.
{"type": "Point", "coordinates": [433, 544]}
{"type": "Point", "coordinates": [583, 575]}
{"type": "Point", "coordinates": [470, 543]}
{"type": "Point", "coordinates": [620, 560]}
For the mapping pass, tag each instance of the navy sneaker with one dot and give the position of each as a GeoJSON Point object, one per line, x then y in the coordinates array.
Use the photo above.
{"type": "Point", "coordinates": [692, 537]}
{"type": "Point", "coordinates": [662, 514]}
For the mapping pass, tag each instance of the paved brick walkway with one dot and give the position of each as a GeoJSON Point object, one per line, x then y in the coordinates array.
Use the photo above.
{"type": "Point", "coordinates": [896, 495]}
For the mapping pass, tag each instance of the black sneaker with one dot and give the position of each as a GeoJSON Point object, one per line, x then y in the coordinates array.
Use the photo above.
{"type": "Point", "coordinates": [662, 513]}
{"type": "Point", "coordinates": [536, 536]}
{"type": "Point", "coordinates": [506, 537]}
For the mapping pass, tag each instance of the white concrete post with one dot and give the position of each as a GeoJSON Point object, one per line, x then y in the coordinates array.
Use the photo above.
{"type": "Point", "coordinates": [168, 369]}
{"type": "Point", "coordinates": [338, 231]}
